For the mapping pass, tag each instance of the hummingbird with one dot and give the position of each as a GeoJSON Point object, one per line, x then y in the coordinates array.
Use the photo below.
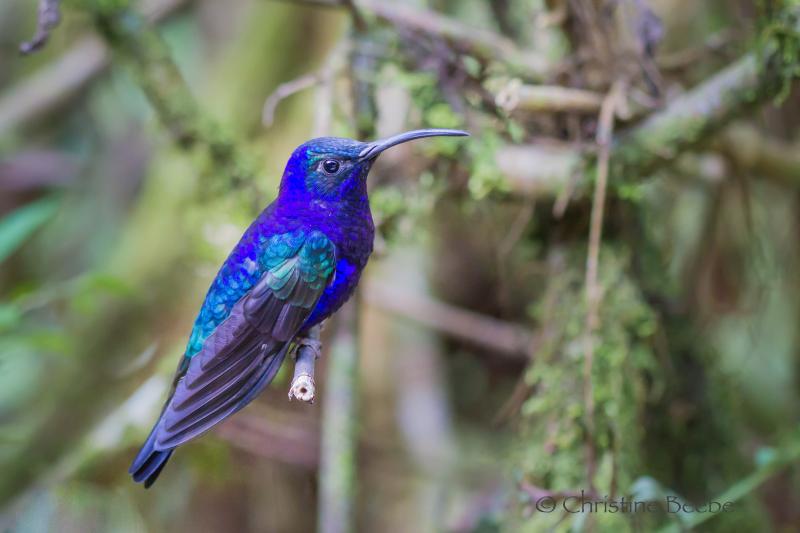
{"type": "Point", "coordinates": [296, 264]}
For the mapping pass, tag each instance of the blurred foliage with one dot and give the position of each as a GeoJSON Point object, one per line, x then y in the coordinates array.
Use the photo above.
{"type": "Point", "coordinates": [120, 200]}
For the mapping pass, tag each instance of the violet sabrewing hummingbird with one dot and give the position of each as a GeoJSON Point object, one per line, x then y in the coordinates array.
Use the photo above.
{"type": "Point", "coordinates": [296, 264]}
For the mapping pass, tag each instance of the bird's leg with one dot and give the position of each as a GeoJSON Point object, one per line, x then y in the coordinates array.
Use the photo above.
{"type": "Point", "coordinates": [309, 348]}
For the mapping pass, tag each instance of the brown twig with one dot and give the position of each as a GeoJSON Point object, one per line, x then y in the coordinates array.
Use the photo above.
{"type": "Point", "coordinates": [333, 66]}
{"type": "Point", "coordinates": [285, 90]}
{"type": "Point", "coordinates": [605, 132]}
{"type": "Point", "coordinates": [49, 15]}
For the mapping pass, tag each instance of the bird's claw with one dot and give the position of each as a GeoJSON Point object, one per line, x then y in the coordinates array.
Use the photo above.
{"type": "Point", "coordinates": [315, 345]}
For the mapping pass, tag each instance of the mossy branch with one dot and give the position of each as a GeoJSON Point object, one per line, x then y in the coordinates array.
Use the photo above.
{"type": "Point", "coordinates": [682, 125]}
{"type": "Point", "coordinates": [51, 87]}
{"type": "Point", "coordinates": [142, 46]}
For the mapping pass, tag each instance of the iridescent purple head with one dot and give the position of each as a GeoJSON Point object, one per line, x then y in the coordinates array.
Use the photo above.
{"type": "Point", "coordinates": [332, 167]}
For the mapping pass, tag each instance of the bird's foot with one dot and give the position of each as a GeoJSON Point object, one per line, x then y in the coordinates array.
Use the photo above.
{"type": "Point", "coordinates": [309, 348]}
{"type": "Point", "coordinates": [311, 343]}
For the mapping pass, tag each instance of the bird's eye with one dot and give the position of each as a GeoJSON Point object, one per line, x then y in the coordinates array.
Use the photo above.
{"type": "Point", "coordinates": [330, 166]}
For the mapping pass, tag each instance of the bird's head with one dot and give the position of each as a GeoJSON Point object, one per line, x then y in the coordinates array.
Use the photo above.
{"type": "Point", "coordinates": [332, 168]}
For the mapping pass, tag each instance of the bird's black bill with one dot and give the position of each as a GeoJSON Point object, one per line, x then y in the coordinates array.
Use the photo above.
{"type": "Point", "coordinates": [374, 148]}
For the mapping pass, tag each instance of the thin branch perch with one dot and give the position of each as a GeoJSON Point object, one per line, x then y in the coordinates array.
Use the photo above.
{"type": "Point", "coordinates": [303, 387]}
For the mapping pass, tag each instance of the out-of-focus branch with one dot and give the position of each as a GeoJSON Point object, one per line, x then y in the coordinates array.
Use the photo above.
{"type": "Point", "coordinates": [67, 76]}
{"type": "Point", "coordinates": [694, 117]}
{"type": "Point", "coordinates": [516, 96]}
{"type": "Point", "coordinates": [715, 43]}
{"type": "Point", "coordinates": [510, 340]}
{"type": "Point", "coordinates": [292, 441]}
{"type": "Point", "coordinates": [683, 124]}
{"type": "Point", "coordinates": [49, 15]}
{"type": "Point", "coordinates": [285, 90]}
{"type": "Point", "coordinates": [337, 472]}
{"type": "Point", "coordinates": [162, 83]}
{"type": "Point", "coordinates": [540, 169]}
{"type": "Point", "coordinates": [755, 153]}
{"type": "Point", "coordinates": [53, 85]}
{"type": "Point", "coordinates": [480, 42]}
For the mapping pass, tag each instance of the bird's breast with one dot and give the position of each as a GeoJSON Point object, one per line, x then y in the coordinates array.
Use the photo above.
{"type": "Point", "coordinates": [353, 236]}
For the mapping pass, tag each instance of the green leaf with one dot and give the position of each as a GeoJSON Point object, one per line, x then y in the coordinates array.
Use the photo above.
{"type": "Point", "coordinates": [19, 225]}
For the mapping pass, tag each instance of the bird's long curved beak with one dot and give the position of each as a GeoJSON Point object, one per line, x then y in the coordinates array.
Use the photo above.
{"type": "Point", "coordinates": [373, 149]}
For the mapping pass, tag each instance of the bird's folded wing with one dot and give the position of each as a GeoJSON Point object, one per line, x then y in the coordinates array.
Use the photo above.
{"type": "Point", "coordinates": [245, 351]}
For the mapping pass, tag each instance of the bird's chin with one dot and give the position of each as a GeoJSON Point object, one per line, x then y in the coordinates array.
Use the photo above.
{"type": "Point", "coordinates": [364, 169]}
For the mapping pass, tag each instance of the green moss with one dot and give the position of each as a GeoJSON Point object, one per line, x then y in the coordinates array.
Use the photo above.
{"type": "Point", "coordinates": [553, 428]}
{"type": "Point", "coordinates": [780, 44]}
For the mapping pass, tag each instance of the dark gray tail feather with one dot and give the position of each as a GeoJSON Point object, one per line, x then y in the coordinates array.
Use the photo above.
{"type": "Point", "coordinates": [205, 412]}
{"type": "Point", "coordinates": [149, 462]}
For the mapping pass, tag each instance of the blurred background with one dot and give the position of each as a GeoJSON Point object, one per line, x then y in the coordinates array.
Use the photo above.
{"type": "Point", "coordinates": [596, 293]}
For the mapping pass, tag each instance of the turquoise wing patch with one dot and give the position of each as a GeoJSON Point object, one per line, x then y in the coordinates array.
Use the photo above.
{"type": "Point", "coordinates": [291, 260]}
{"type": "Point", "coordinates": [296, 267]}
